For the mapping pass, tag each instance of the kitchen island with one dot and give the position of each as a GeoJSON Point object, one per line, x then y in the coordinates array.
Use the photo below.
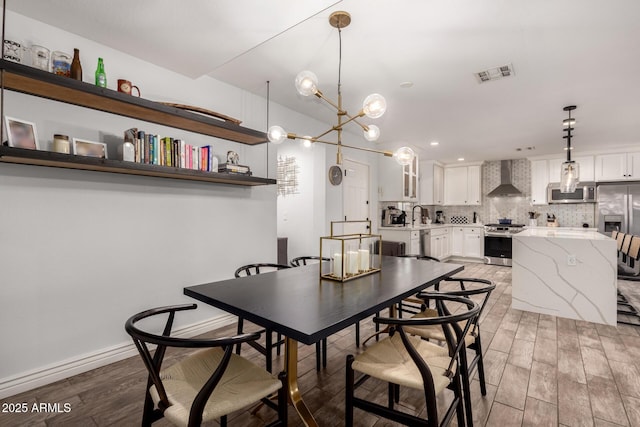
{"type": "Point", "coordinates": [565, 273]}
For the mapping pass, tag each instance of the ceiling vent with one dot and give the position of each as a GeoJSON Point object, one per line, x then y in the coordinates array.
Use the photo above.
{"type": "Point", "coordinates": [495, 73]}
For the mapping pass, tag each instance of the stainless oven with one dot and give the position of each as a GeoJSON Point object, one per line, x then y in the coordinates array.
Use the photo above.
{"type": "Point", "coordinates": [585, 193]}
{"type": "Point", "coordinates": [498, 244]}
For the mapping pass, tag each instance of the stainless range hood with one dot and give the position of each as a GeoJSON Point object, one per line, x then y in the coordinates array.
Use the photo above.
{"type": "Point", "coordinates": [506, 188]}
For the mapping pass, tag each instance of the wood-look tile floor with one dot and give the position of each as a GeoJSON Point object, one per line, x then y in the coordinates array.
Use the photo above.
{"type": "Point", "coordinates": [540, 370]}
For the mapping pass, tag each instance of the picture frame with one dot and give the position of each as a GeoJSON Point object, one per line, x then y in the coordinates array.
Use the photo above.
{"type": "Point", "coordinates": [83, 147]}
{"type": "Point", "coordinates": [21, 133]}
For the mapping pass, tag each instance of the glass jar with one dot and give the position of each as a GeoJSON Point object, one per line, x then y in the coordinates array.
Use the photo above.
{"type": "Point", "coordinates": [61, 144]}
{"type": "Point", "coordinates": [40, 57]}
{"type": "Point", "coordinates": [61, 63]}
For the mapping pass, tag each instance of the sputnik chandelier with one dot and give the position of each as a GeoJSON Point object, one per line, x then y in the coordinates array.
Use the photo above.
{"type": "Point", "coordinates": [374, 106]}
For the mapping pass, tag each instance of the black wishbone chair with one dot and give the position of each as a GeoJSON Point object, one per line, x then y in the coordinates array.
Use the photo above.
{"type": "Point", "coordinates": [267, 349]}
{"type": "Point", "coordinates": [321, 346]}
{"type": "Point", "coordinates": [409, 361]}
{"type": "Point", "coordinates": [206, 385]}
{"type": "Point", "coordinates": [479, 289]}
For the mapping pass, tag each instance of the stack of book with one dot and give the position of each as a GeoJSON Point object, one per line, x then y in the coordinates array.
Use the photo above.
{"type": "Point", "coordinates": [165, 151]}
{"type": "Point", "coordinates": [234, 169]}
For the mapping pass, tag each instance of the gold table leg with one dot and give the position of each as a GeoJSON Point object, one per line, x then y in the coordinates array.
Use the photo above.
{"type": "Point", "coordinates": [295, 398]}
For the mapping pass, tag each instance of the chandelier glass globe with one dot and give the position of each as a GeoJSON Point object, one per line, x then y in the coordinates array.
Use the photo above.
{"type": "Point", "coordinates": [306, 83]}
{"type": "Point", "coordinates": [276, 134]}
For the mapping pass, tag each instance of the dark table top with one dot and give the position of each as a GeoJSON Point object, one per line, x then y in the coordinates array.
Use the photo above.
{"type": "Point", "coordinates": [298, 304]}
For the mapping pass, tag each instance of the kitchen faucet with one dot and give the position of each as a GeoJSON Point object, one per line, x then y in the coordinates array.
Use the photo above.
{"type": "Point", "coordinates": [413, 212]}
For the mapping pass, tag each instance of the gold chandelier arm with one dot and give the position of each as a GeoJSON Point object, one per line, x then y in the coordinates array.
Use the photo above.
{"type": "Point", "coordinates": [371, 150]}
{"type": "Point", "coordinates": [320, 95]}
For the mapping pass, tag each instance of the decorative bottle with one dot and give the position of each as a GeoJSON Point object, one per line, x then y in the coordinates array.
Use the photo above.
{"type": "Point", "coordinates": [76, 67]}
{"type": "Point", "coordinates": [101, 77]}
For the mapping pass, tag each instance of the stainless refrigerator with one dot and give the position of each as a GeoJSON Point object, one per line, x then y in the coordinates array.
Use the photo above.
{"type": "Point", "coordinates": [618, 208]}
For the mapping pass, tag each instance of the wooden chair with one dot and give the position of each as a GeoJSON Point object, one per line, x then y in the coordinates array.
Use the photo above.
{"type": "Point", "coordinates": [624, 249]}
{"type": "Point", "coordinates": [304, 260]}
{"type": "Point", "coordinates": [403, 360]}
{"type": "Point", "coordinates": [412, 304]}
{"type": "Point", "coordinates": [321, 347]}
{"type": "Point", "coordinates": [267, 349]}
{"type": "Point", "coordinates": [479, 289]}
{"type": "Point", "coordinates": [206, 385]}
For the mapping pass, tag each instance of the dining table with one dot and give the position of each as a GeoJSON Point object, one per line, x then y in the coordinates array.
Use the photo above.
{"type": "Point", "coordinates": [305, 308]}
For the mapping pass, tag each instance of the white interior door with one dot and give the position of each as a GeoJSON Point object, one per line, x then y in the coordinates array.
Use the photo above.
{"type": "Point", "coordinates": [355, 194]}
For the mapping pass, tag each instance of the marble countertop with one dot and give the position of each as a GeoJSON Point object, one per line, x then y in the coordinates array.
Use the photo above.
{"type": "Point", "coordinates": [429, 227]}
{"type": "Point", "coordinates": [562, 232]}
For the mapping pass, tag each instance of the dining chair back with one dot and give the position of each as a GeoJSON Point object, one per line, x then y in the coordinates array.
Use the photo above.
{"type": "Point", "coordinates": [304, 260]}
{"type": "Point", "coordinates": [403, 360]}
{"type": "Point", "coordinates": [253, 269]}
{"type": "Point", "coordinates": [206, 385]}
{"type": "Point", "coordinates": [479, 290]}
{"type": "Point", "coordinates": [267, 348]}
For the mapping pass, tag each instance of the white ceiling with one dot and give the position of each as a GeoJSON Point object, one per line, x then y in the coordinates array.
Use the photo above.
{"type": "Point", "coordinates": [582, 52]}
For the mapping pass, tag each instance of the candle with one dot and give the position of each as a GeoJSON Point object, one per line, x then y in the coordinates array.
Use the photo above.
{"type": "Point", "coordinates": [363, 259]}
{"type": "Point", "coordinates": [352, 262]}
{"type": "Point", "coordinates": [337, 265]}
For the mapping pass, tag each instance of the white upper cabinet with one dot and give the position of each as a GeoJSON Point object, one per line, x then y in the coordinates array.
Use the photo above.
{"type": "Point", "coordinates": [431, 183]}
{"type": "Point", "coordinates": [617, 167]}
{"type": "Point", "coordinates": [398, 183]}
{"type": "Point", "coordinates": [462, 185]}
{"type": "Point", "coordinates": [539, 181]}
{"type": "Point", "coordinates": [587, 173]}
{"type": "Point", "coordinates": [474, 185]}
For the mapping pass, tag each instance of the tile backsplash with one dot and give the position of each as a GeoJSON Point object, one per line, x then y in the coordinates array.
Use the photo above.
{"type": "Point", "coordinates": [517, 208]}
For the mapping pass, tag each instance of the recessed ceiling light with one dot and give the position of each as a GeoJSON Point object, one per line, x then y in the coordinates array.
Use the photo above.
{"type": "Point", "coordinates": [461, 159]}
{"type": "Point", "coordinates": [434, 143]}
{"type": "Point", "coordinates": [406, 85]}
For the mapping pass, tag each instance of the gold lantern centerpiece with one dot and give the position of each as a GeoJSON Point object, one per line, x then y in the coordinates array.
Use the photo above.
{"type": "Point", "coordinates": [351, 255]}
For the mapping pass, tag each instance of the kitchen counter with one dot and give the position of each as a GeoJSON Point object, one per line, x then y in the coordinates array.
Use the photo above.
{"type": "Point", "coordinates": [565, 272]}
{"type": "Point", "coordinates": [429, 226]}
{"type": "Point", "coordinates": [564, 232]}
{"type": "Point", "coordinates": [560, 228]}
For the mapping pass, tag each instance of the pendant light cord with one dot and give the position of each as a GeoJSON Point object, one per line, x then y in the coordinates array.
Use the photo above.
{"type": "Point", "coordinates": [268, 103]}
{"type": "Point", "coordinates": [339, 60]}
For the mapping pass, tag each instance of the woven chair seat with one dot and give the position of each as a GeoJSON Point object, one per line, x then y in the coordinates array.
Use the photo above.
{"type": "Point", "coordinates": [435, 332]}
{"type": "Point", "coordinates": [388, 360]}
{"type": "Point", "coordinates": [242, 384]}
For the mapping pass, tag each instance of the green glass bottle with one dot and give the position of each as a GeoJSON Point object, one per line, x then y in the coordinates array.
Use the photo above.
{"type": "Point", "coordinates": [101, 77]}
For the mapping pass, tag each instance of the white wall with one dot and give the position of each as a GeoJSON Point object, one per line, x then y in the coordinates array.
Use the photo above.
{"type": "Point", "coordinates": [81, 251]}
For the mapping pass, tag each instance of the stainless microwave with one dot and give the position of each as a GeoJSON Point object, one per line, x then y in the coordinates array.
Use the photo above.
{"type": "Point", "coordinates": [585, 193]}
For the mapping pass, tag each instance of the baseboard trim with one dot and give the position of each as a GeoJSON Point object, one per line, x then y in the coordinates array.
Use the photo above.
{"type": "Point", "coordinates": [67, 368]}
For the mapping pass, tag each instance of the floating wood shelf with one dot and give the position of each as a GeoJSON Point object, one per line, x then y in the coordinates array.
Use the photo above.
{"type": "Point", "coordinates": [70, 161]}
{"type": "Point", "coordinates": [21, 78]}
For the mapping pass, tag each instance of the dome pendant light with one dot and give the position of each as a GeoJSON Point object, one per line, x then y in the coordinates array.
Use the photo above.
{"type": "Point", "coordinates": [373, 107]}
{"type": "Point", "coordinates": [570, 171]}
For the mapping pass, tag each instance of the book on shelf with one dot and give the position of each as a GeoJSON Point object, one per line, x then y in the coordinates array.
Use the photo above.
{"type": "Point", "coordinates": [228, 167]}
{"type": "Point", "coordinates": [166, 151]}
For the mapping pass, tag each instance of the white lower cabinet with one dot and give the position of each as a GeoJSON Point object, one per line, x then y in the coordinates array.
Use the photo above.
{"type": "Point", "coordinates": [437, 243]}
{"type": "Point", "coordinates": [473, 245]}
{"type": "Point", "coordinates": [467, 242]}
{"type": "Point", "coordinates": [457, 241]}
{"type": "Point", "coordinates": [414, 243]}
